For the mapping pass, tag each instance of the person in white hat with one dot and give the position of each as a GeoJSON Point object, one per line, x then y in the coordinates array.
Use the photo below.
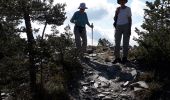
{"type": "Point", "coordinates": [80, 20]}
{"type": "Point", "coordinates": [123, 22]}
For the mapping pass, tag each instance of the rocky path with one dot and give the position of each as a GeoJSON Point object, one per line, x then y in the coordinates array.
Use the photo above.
{"type": "Point", "coordinates": [106, 81]}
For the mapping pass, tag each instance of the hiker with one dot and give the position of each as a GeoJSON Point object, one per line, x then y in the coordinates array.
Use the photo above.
{"type": "Point", "coordinates": [80, 20]}
{"type": "Point", "coordinates": [123, 23]}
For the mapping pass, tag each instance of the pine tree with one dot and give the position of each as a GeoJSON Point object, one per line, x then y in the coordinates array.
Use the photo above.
{"type": "Point", "coordinates": [104, 42]}
{"type": "Point", "coordinates": [154, 41]}
{"type": "Point", "coordinates": [14, 12]}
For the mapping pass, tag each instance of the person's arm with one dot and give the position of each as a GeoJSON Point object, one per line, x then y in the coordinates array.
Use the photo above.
{"type": "Point", "coordinates": [130, 24]}
{"type": "Point", "coordinates": [88, 22]}
{"type": "Point", "coordinates": [73, 19]}
{"type": "Point", "coordinates": [116, 13]}
{"type": "Point", "coordinates": [130, 20]}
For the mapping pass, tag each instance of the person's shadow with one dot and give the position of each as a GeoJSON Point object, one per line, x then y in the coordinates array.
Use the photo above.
{"type": "Point", "coordinates": [110, 71]}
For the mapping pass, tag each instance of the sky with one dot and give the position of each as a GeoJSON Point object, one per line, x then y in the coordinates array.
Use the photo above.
{"type": "Point", "coordinates": [101, 13]}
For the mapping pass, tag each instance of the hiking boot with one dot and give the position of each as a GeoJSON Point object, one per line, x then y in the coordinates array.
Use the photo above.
{"type": "Point", "coordinates": [124, 60]}
{"type": "Point", "coordinates": [117, 60]}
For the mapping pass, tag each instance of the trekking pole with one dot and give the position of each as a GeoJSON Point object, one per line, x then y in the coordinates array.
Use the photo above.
{"type": "Point", "coordinates": [92, 40]}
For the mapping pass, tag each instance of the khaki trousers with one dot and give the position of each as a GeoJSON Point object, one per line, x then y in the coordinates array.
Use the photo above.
{"type": "Point", "coordinates": [122, 30]}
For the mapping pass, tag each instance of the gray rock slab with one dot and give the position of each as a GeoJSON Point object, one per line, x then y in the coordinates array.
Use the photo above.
{"type": "Point", "coordinates": [105, 85]}
{"type": "Point", "coordinates": [103, 79]}
{"type": "Point", "coordinates": [126, 84]}
{"type": "Point", "coordinates": [84, 84]}
{"type": "Point", "coordinates": [141, 84]}
{"type": "Point", "coordinates": [123, 95]}
{"type": "Point", "coordinates": [137, 89]}
{"type": "Point", "coordinates": [133, 73]}
{"type": "Point", "coordinates": [92, 55]}
{"type": "Point", "coordinates": [101, 95]}
{"type": "Point", "coordinates": [107, 98]}
{"type": "Point", "coordinates": [96, 85]}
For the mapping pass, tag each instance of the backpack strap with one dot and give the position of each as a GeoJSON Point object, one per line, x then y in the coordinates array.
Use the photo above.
{"type": "Point", "coordinates": [116, 16]}
{"type": "Point", "coordinates": [116, 13]}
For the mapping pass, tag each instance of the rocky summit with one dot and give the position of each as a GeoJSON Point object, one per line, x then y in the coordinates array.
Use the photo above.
{"type": "Point", "coordinates": [102, 80]}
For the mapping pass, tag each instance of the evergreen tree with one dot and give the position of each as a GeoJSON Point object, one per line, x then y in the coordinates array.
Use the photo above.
{"type": "Point", "coordinates": [154, 41]}
{"type": "Point", "coordinates": [13, 12]}
{"type": "Point", "coordinates": [104, 42]}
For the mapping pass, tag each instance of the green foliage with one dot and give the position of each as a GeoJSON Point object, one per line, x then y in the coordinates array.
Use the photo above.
{"type": "Point", "coordinates": [18, 57]}
{"type": "Point", "coordinates": [13, 64]}
{"type": "Point", "coordinates": [153, 51]}
{"type": "Point", "coordinates": [153, 93]}
{"type": "Point", "coordinates": [154, 42]}
{"type": "Point", "coordinates": [57, 64]}
{"type": "Point", "coordinates": [62, 44]}
{"type": "Point", "coordinates": [104, 42]}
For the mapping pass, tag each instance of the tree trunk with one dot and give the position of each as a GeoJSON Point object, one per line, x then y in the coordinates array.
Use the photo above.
{"type": "Point", "coordinates": [41, 45]}
{"type": "Point", "coordinates": [44, 30]}
{"type": "Point", "coordinates": [32, 70]}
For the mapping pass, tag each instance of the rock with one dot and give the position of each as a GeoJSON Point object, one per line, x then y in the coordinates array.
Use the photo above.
{"type": "Point", "coordinates": [6, 96]}
{"type": "Point", "coordinates": [85, 88]}
{"type": "Point", "coordinates": [84, 84]}
{"type": "Point", "coordinates": [87, 58]}
{"type": "Point", "coordinates": [117, 90]}
{"type": "Point", "coordinates": [124, 89]}
{"type": "Point", "coordinates": [92, 82]}
{"type": "Point", "coordinates": [94, 58]}
{"type": "Point", "coordinates": [106, 93]}
{"type": "Point", "coordinates": [100, 53]}
{"type": "Point", "coordinates": [95, 76]}
{"type": "Point", "coordinates": [106, 81]}
{"type": "Point", "coordinates": [133, 73]}
{"type": "Point", "coordinates": [99, 83]}
{"type": "Point", "coordinates": [101, 95]}
{"type": "Point", "coordinates": [105, 85]}
{"type": "Point", "coordinates": [96, 85]}
{"type": "Point", "coordinates": [111, 90]}
{"type": "Point", "coordinates": [103, 79]}
{"type": "Point", "coordinates": [141, 84]}
{"type": "Point", "coordinates": [90, 73]}
{"type": "Point", "coordinates": [117, 79]}
{"type": "Point", "coordinates": [115, 96]}
{"type": "Point", "coordinates": [124, 95]}
{"type": "Point", "coordinates": [3, 94]}
{"type": "Point", "coordinates": [92, 55]}
{"type": "Point", "coordinates": [126, 84]}
{"type": "Point", "coordinates": [137, 89]}
{"type": "Point", "coordinates": [107, 98]}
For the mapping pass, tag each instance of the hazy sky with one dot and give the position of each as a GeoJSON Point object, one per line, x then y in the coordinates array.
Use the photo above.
{"type": "Point", "coordinates": [101, 13]}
